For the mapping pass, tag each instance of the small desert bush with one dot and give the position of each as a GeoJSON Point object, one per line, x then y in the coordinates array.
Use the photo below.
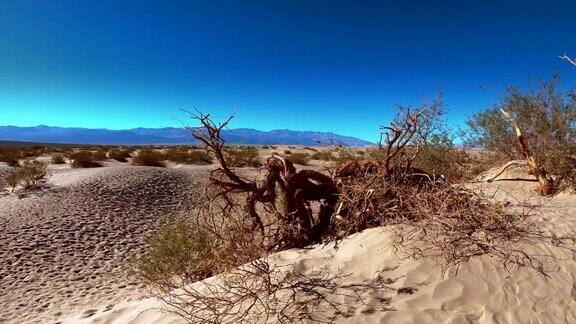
{"type": "Point", "coordinates": [120, 155]}
{"type": "Point", "coordinates": [84, 159]}
{"type": "Point", "coordinates": [149, 157]}
{"type": "Point", "coordinates": [187, 156]}
{"type": "Point", "coordinates": [300, 158]}
{"type": "Point", "coordinates": [243, 157]}
{"type": "Point", "coordinates": [58, 159]}
{"type": "Point", "coordinates": [29, 175]}
{"type": "Point", "coordinates": [322, 156]}
{"type": "Point", "coordinates": [100, 154]}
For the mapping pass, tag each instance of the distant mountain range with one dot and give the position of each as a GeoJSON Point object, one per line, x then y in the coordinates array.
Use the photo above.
{"type": "Point", "coordinates": [170, 135]}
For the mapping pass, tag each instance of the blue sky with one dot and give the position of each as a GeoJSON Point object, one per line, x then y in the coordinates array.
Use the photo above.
{"type": "Point", "coordinates": [306, 65]}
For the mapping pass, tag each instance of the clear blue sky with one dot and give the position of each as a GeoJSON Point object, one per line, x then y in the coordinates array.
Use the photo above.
{"type": "Point", "coordinates": [307, 65]}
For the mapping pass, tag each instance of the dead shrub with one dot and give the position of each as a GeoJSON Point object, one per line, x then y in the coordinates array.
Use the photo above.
{"type": "Point", "coordinates": [57, 159]}
{"type": "Point", "coordinates": [260, 292]}
{"type": "Point", "coordinates": [29, 175]}
{"type": "Point", "coordinates": [120, 155]}
{"type": "Point", "coordinates": [149, 157]}
{"type": "Point", "coordinates": [84, 159]}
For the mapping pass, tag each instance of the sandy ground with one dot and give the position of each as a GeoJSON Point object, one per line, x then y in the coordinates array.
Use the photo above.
{"type": "Point", "coordinates": [482, 291]}
{"type": "Point", "coordinates": [65, 253]}
{"type": "Point", "coordinates": [67, 248]}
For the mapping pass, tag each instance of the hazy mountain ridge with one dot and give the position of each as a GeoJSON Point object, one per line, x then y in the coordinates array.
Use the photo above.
{"type": "Point", "coordinates": [170, 135]}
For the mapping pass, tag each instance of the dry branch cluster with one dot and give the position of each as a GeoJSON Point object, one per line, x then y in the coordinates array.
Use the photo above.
{"type": "Point", "coordinates": [246, 218]}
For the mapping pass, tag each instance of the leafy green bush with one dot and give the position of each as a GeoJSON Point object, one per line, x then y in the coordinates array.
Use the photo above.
{"type": "Point", "coordinates": [84, 159]}
{"type": "Point", "coordinates": [149, 157]}
{"type": "Point", "coordinates": [177, 250]}
{"type": "Point", "coordinates": [547, 117]}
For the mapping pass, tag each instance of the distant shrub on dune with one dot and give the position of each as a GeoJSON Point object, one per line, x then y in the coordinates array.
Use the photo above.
{"type": "Point", "coordinates": [10, 157]}
{"type": "Point", "coordinates": [187, 156]}
{"type": "Point", "coordinates": [243, 157]}
{"type": "Point", "coordinates": [29, 175]}
{"type": "Point", "coordinates": [84, 159]}
{"type": "Point", "coordinates": [149, 157]}
{"type": "Point", "coordinates": [322, 156]}
{"type": "Point", "coordinates": [120, 155]}
{"type": "Point", "coordinates": [58, 159]}
{"type": "Point", "coordinates": [300, 158]}
{"type": "Point", "coordinates": [100, 154]}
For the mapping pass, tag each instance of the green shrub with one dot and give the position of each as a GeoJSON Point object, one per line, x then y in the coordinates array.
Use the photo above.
{"type": "Point", "coordinates": [243, 157]}
{"type": "Point", "coordinates": [299, 158]}
{"type": "Point", "coordinates": [84, 159]}
{"type": "Point", "coordinates": [58, 159]}
{"type": "Point", "coordinates": [120, 155]}
{"type": "Point", "coordinates": [149, 157]}
{"type": "Point", "coordinates": [28, 175]}
{"type": "Point", "coordinates": [547, 117]}
{"type": "Point", "coordinates": [176, 250]}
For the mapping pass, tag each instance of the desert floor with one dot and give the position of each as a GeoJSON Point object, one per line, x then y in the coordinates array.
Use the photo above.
{"type": "Point", "coordinates": [66, 251]}
{"type": "Point", "coordinates": [68, 248]}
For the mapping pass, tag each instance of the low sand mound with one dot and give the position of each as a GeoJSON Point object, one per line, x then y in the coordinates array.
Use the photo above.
{"type": "Point", "coordinates": [67, 247]}
{"type": "Point", "coordinates": [482, 291]}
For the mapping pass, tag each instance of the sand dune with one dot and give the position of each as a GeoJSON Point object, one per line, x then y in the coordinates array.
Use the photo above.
{"type": "Point", "coordinates": [482, 291]}
{"type": "Point", "coordinates": [65, 254]}
{"type": "Point", "coordinates": [66, 248]}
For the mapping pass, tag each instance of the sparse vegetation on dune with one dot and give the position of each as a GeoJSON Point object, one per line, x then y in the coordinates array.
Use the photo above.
{"type": "Point", "coordinates": [546, 116]}
{"type": "Point", "coordinates": [399, 185]}
{"type": "Point", "coordinates": [57, 159]}
{"type": "Point", "coordinates": [119, 154]}
{"type": "Point", "coordinates": [149, 157]}
{"type": "Point", "coordinates": [29, 175]}
{"type": "Point", "coordinates": [242, 157]}
{"type": "Point", "coordinates": [84, 159]}
{"type": "Point", "coordinates": [188, 156]}
{"type": "Point", "coordinates": [10, 156]}
{"type": "Point", "coordinates": [300, 158]}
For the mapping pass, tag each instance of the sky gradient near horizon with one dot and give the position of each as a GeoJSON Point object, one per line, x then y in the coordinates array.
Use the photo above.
{"type": "Point", "coordinates": [335, 66]}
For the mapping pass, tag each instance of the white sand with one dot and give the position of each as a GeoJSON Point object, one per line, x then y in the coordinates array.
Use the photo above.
{"type": "Point", "coordinates": [481, 292]}
{"type": "Point", "coordinates": [67, 248]}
